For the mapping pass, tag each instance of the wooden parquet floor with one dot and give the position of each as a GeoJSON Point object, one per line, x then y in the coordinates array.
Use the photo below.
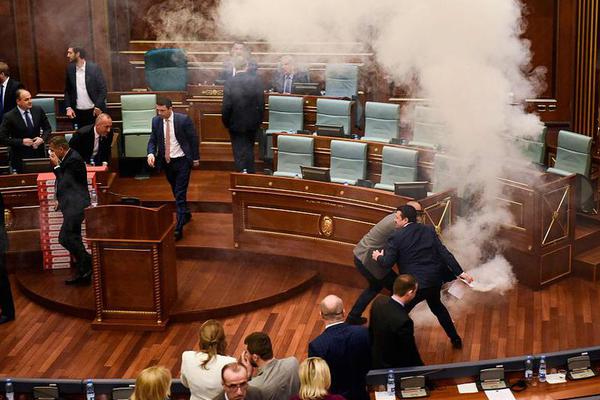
{"type": "Point", "coordinates": [41, 343]}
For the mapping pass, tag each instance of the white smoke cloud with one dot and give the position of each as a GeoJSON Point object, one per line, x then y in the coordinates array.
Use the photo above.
{"type": "Point", "coordinates": [467, 57]}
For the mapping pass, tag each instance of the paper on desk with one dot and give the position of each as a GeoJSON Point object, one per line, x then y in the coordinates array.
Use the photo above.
{"type": "Point", "coordinates": [384, 396]}
{"type": "Point", "coordinates": [555, 378]}
{"type": "Point", "coordinates": [501, 394]}
{"type": "Point", "coordinates": [467, 388]}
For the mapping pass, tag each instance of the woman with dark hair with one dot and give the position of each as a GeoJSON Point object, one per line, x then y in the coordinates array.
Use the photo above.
{"type": "Point", "coordinates": [201, 370]}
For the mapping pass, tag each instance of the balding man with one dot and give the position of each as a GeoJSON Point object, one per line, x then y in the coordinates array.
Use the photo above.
{"type": "Point", "coordinates": [25, 129]}
{"type": "Point", "coordinates": [287, 75]}
{"type": "Point", "coordinates": [345, 348]}
{"type": "Point", "coordinates": [234, 377]}
{"type": "Point", "coordinates": [93, 142]}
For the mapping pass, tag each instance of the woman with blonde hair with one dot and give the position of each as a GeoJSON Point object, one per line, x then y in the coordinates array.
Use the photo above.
{"type": "Point", "coordinates": [315, 380]}
{"type": "Point", "coordinates": [153, 383]}
{"type": "Point", "coordinates": [201, 370]}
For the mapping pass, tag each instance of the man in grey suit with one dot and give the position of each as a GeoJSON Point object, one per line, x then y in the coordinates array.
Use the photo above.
{"type": "Point", "coordinates": [377, 276]}
{"type": "Point", "coordinates": [276, 378]}
{"type": "Point", "coordinates": [234, 377]}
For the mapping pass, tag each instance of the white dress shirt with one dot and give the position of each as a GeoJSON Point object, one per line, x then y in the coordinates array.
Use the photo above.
{"type": "Point", "coordinates": [83, 99]}
{"type": "Point", "coordinates": [176, 150]}
{"type": "Point", "coordinates": [96, 143]}
{"type": "Point", "coordinates": [23, 115]}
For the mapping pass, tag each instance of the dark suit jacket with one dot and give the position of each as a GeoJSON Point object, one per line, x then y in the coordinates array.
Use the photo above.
{"type": "Point", "coordinates": [392, 336]}
{"type": "Point", "coordinates": [417, 250]}
{"type": "Point", "coordinates": [83, 142]}
{"type": "Point", "coordinates": [346, 350]}
{"type": "Point", "coordinates": [13, 130]}
{"type": "Point", "coordinates": [10, 97]}
{"type": "Point", "coordinates": [227, 71]}
{"type": "Point", "coordinates": [243, 103]}
{"type": "Point", "coordinates": [94, 84]}
{"type": "Point", "coordinates": [279, 80]}
{"type": "Point", "coordinates": [71, 184]}
{"type": "Point", "coordinates": [185, 133]}
{"type": "Point", "coordinates": [253, 393]}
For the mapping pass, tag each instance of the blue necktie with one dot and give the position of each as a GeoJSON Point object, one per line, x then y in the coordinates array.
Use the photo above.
{"type": "Point", "coordinates": [1, 101]}
{"type": "Point", "coordinates": [29, 123]}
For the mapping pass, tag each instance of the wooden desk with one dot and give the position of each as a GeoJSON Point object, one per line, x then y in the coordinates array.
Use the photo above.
{"type": "Point", "coordinates": [312, 220]}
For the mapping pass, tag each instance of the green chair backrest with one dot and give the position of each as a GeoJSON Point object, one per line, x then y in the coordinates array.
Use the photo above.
{"type": "Point", "coordinates": [292, 152]}
{"type": "Point", "coordinates": [286, 114]}
{"type": "Point", "coordinates": [341, 80]}
{"type": "Point", "coordinates": [573, 153]}
{"type": "Point", "coordinates": [441, 173]}
{"type": "Point", "coordinates": [398, 165]}
{"type": "Point", "coordinates": [334, 113]}
{"type": "Point", "coordinates": [381, 121]}
{"type": "Point", "coordinates": [533, 148]}
{"type": "Point", "coordinates": [166, 69]}
{"type": "Point", "coordinates": [49, 107]}
{"type": "Point", "coordinates": [135, 146]}
{"type": "Point", "coordinates": [137, 112]}
{"type": "Point", "coordinates": [428, 129]}
{"type": "Point", "coordinates": [348, 161]}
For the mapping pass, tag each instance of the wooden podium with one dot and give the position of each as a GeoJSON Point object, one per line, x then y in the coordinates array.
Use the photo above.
{"type": "Point", "coordinates": [135, 278]}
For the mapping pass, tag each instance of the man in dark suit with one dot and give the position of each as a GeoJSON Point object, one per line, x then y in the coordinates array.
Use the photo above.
{"type": "Point", "coordinates": [391, 329]}
{"type": "Point", "coordinates": [242, 114]}
{"type": "Point", "coordinates": [20, 129]}
{"type": "Point", "coordinates": [93, 142]}
{"type": "Point", "coordinates": [173, 145]}
{"type": "Point", "coordinates": [73, 197]}
{"type": "Point", "coordinates": [346, 350]}
{"type": "Point", "coordinates": [229, 70]}
{"type": "Point", "coordinates": [417, 250]}
{"type": "Point", "coordinates": [287, 74]}
{"type": "Point", "coordinates": [8, 90]}
{"type": "Point", "coordinates": [7, 307]}
{"type": "Point", "coordinates": [234, 377]}
{"type": "Point", "coordinates": [85, 88]}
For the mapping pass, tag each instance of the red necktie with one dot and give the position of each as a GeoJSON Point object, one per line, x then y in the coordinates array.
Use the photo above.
{"type": "Point", "coordinates": [167, 141]}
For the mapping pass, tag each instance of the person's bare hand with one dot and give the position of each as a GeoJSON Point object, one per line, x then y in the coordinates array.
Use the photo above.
{"type": "Point", "coordinates": [28, 142]}
{"type": "Point", "coordinates": [377, 254]}
{"type": "Point", "coordinates": [466, 277]}
{"type": "Point", "coordinates": [70, 113]}
{"type": "Point", "coordinates": [97, 111]}
{"type": "Point", "coordinates": [54, 158]}
{"type": "Point", "coordinates": [151, 160]}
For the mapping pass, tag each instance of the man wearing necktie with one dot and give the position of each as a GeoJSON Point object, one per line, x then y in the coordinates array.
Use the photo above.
{"type": "Point", "coordinates": [287, 75]}
{"type": "Point", "coordinates": [8, 90]}
{"type": "Point", "coordinates": [25, 129]}
{"type": "Point", "coordinates": [173, 146]}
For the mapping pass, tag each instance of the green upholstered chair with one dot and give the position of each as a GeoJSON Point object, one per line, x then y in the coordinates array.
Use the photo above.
{"type": "Point", "coordinates": [533, 148]}
{"type": "Point", "coordinates": [137, 112]}
{"type": "Point", "coordinates": [398, 165]}
{"type": "Point", "coordinates": [286, 114]}
{"type": "Point", "coordinates": [292, 152]}
{"type": "Point", "coordinates": [341, 80]}
{"type": "Point", "coordinates": [441, 173]}
{"type": "Point", "coordinates": [573, 156]}
{"type": "Point", "coordinates": [381, 121]}
{"type": "Point", "coordinates": [428, 129]}
{"type": "Point", "coordinates": [348, 161]}
{"type": "Point", "coordinates": [166, 69]}
{"type": "Point", "coordinates": [49, 107]}
{"type": "Point", "coordinates": [334, 113]}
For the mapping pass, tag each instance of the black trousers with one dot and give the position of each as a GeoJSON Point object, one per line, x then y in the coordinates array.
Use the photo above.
{"type": "Point", "coordinates": [7, 305]}
{"type": "Point", "coordinates": [375, 286]}
{"type": "Point", "coordinates": [242, 144]}
{"type": "Point", "coordinates": [432, 296]}
{"type": "Point", "coordinates": [178, 174]}
{"type": "Point", "coordinates": [70, 238]}
{"type": "Point", "coordinates": [84, 118]}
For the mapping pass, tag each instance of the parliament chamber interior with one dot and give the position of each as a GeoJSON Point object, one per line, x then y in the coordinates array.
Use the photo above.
{"type": "Point", "coordinates": [486, 116]}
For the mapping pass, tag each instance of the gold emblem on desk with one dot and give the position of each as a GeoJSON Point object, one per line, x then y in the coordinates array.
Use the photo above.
{"type": "Point", "coordinates": [8, 218]}
{"type": "Point", "coordinates": [212, 92]}
{"type": "Point", "coordinates": [326, 226]}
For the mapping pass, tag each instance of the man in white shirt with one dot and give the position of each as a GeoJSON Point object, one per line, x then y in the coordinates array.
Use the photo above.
{"type": "Point", "coordinates": [173, 146]}
{"type": "Point", "coordinates": [85, 88]}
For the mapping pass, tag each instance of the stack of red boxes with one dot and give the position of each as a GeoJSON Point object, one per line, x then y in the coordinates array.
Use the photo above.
{"type": "Point", "coordinates": [55, 256]}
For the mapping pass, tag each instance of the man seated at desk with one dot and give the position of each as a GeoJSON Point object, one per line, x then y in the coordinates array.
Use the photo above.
{"type": "Point", "coordinates": [93, 142]}
{"type": "Point", "coordinates": [238, 49]}
{"type": "Point", "coordinates": [287, 74]}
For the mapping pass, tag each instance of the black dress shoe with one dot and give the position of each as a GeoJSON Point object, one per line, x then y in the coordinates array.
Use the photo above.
{"type": "Point", "coordinates": [456, 343]}
{"type": "Point", "coordinates": [4, 319]}
{"type": "Point", "coordinates": [73, 281]}
{"type": "Point", "coordinates": [178, 234]}
{"type": "Point", "coordinates": [187, 217]}
{"type": "Point", "coordinates": [356, 320]}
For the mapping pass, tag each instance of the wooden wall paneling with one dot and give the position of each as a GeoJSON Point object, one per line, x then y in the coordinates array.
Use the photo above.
{"type": "Point", "coordinates": [101, 38]}
{"type": "Point", "coordinates": [54, 31]}
{"type": "Point", "coordinates": [8, 53]}
{"type": "Point", "coordinates": [25, 44]}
